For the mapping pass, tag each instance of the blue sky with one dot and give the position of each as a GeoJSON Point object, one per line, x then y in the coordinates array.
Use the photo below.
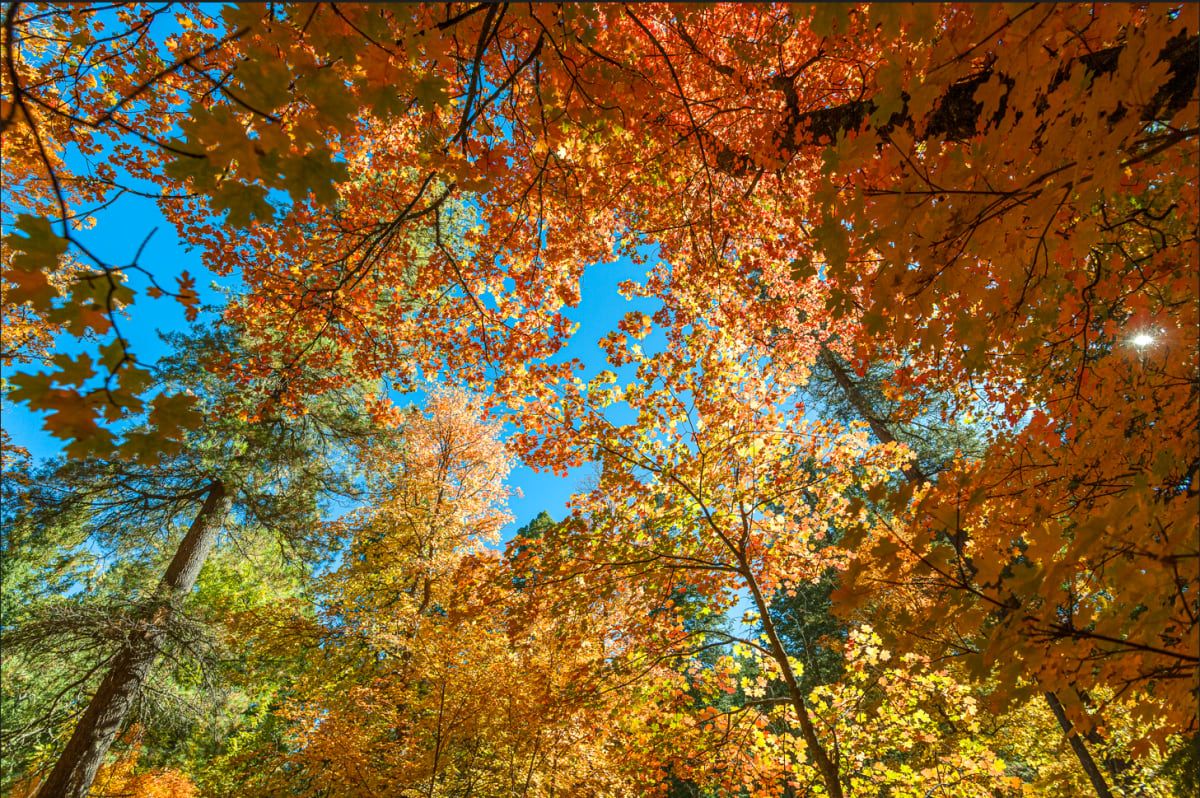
{"type": "Point", "coordinates": [123, 227]}
{"type": "Point", "coordinates": [597, 314]}
{"type": "Point", "coordinates": [119, 232]}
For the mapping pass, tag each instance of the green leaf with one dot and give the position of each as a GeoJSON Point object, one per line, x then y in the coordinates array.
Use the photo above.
{"type": "Point", "coordinates": [96, 442]}
{"type": "Point", "coordinates": [888, 16]}
{"type": "Point", "coordinates": [243, 203]}
{"type": "Point", "coordinates": [39, 249]}
{"type": "Point", "coordinates": [802, 269]}
{"type": "Point", "coordinates": [336, 101]}
{"type": "Point", "coordinates": [31, 389]}
{"type": "Point", "coordinates": [265, 80]}
{"type": "Point", "coordinates": [88, 306]}
{"type": "Point", "coordinates": [1165, 463]}
{"type": "Point", "coordinates": [432, 91]}
{"type": "Point", "coordinates": [197, 168]}
{"type": "Point", "coordinates": [133, 381]}
{"type": "Point", "coordinates": [242, 15]}
{"type": "Point", "coordinates": [315, 172]}
{"type": "Point", "coordinates": [146, 448]}
{"type": "Point", "coordinates": [73, 371]}
{"type": "Point", "coordinates": [833, 240]}
{"type": "Point", "coordinates": [887, 103]}
{"type": "Point", "coordinates": [32, 287]}
{"type": "Point", "coordinates": [172, 414]}
{"type": "Point", "coordinates": [825, 18]}
{"type": "Point", "coordinates": [384, 101]}
{"type": "Point", "coordinates": [111, 354]}
{"type": "Point", "coordinates": [73, 416]}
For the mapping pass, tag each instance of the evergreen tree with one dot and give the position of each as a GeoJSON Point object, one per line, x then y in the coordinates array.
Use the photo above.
{"type": "Point", "coordinates": [256, 476]}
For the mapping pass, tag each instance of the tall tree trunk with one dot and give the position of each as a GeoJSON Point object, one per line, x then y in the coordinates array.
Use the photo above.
{"type": "Point", "coordinates": [855, 396]}
{"type": "Point", "coordinates": [101, 722]}
{"type": "Point", "coordinates": [1118, 767]}
{"type": "Point", "coordinates": [1078, 746]}
{"type": "Point", "coordinates": [912, 471]}
{"type": "Point", "coordinates": [827, 765]}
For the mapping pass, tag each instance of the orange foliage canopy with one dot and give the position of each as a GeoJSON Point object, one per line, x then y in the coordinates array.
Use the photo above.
{"type": "Point", "coordinates": [995, 198]}
{"type": "Point", "coordinates": [428, 673]}
{"type": "Point", "coordinates": [122, 777]}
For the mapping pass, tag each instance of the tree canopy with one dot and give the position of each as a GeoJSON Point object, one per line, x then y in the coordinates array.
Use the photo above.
{"type": "Point", "coordinates": [919, 389]}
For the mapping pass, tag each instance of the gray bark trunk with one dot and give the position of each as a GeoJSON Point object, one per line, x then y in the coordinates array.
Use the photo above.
{"type": "Point", "coordinates": [1078, 746]}
{"type": "Point", "coordinates": [828, 766]}
{"type": "Point", "coordinates": [100, 723]}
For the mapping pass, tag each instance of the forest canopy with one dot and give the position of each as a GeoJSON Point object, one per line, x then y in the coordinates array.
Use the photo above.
{"type": "Point", "coordinates": [895, 457]}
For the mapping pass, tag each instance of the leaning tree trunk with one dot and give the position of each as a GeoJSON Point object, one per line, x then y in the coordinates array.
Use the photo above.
{"type": "Point", "coordinates": [101, 722]}
{"type": "Point", "coordinates": [828, 766]}
{"type": "Point", "coordinates": [915, 477]}
{"type": "Point", "coordinates": [1078, 746]}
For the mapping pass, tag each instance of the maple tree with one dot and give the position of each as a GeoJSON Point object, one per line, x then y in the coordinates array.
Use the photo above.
{"type": "Point", "coordinates": [428, 673]}
{"type": "Point", "coordinates": [719, 487]}
{"type": "Point", "coordinates": [849, 396]}
{"type": "Point", "coordinates": [999, 200]}
{"type": "Point", "coordinates": [1058, 383]}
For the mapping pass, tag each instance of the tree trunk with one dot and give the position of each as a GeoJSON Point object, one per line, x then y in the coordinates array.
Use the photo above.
{"type": "Point", "coordinates": [101, 722]}
{"type": "Point", "coordinates": [1117, 766]}
{"type": "Point", "coordinates": [956, 115]}
{"type": "Point", "coordinates": [912, 471]}
{"type": "Point", "coordinates": [915, 477]}
{"type": "Point", "coordinates": [828, 766]}
{"type": "Point", "coordinates": [1077, 745]}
